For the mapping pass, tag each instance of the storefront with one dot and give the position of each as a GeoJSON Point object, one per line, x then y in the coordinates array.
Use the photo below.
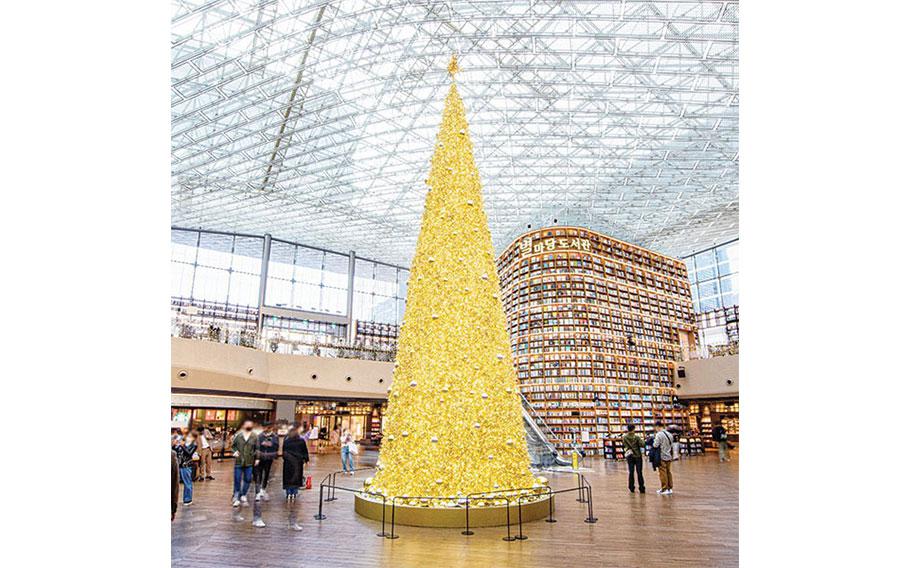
{"type": "Point", "coordinates": [364, 419]}
{"type": "Point", "coordinates": [222, 416]}
{"type": "Point", "coordinates": [704, 415]}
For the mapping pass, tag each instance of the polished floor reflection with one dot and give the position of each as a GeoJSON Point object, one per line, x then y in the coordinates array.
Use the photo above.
{"type": "Point", "coordinates": [697, 526]}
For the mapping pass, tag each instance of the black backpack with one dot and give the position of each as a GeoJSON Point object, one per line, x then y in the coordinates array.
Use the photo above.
{"type": "Point", "coordinates": [654, 455]}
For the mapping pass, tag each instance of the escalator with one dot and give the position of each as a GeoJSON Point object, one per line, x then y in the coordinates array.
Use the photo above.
{"type": "Point", "coordinates": [542, 452]}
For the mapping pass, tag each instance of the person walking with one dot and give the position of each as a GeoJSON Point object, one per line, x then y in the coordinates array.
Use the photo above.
{"type": "Point", "coordinates": [719, 435]}
{"type": "Point", "coordinates": [632, 445]}
{"type": "Point", "coordinates": [185, 449]}
{"type": "Point", "coordinates": [347, 452]}
{"type": "Point", "coordinates": [266, 454]}
{"type": "Point", "coordinates": [295, 457]}
{"type": "Point", "coordinates": [244, 449]}
{"type": "Point", "coordinates": [205, 454]}
{"type": "Point", "coordinates": [664, 441]}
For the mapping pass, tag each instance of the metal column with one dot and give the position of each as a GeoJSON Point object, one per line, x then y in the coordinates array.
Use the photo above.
{"type": "Point", "coordinates": [263, 276]}
{"type": "Point", "coordinates": [352, 332]}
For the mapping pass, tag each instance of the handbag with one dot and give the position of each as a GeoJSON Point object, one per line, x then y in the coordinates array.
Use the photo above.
{"type": "Point", "coordinates": [309, 482]}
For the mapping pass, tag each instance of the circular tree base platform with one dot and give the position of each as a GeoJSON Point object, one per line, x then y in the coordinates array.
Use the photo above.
{"type": "Point", "coordinates": [452, 517]}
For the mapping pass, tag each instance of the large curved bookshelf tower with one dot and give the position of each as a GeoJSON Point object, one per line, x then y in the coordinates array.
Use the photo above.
{"type": "Point", "coordinates": [597, 327]}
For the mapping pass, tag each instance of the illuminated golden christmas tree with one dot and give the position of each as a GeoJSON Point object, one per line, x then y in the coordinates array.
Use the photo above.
{"type": "Point", "coordinates": [454, 423]}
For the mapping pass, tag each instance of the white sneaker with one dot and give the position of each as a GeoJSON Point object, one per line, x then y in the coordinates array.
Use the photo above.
{"type": "Point", "coordinates": [244, 502]}
{"type": "Point", "coordinates": [660, 491]}
{"type": "Point", "coordinates": [236, 503]}
{"type": "Point", "coordinates": [187, 503]}
{"type": "Point", "coordinates": [258, 523]}
{"type": "Point", "coordinates": [265, 496]}
{"type": "Point", "coordinates": [259, 496]}
{"type": "Point", "coordinates": [669, 492]}
{"type": "Point", "coordinates": [296, 527]}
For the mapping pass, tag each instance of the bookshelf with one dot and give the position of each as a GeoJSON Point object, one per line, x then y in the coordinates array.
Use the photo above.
{"type": "Point", "coordinates": [597, 326]}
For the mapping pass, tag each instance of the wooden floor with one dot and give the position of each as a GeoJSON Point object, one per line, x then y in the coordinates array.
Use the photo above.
{"type": "Point", "coordinates": [697, 526]}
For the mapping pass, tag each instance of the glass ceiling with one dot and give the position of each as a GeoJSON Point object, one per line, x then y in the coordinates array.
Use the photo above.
{"type": "Point", "coordinates": [314, 120]}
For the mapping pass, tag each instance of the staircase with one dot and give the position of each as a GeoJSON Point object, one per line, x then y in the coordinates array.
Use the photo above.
{"type": "Point", "coordinates": [543, 453]}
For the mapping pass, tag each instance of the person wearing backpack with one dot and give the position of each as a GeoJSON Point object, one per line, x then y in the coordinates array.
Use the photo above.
{"type": "Point", "coordinates": [663, 443]}
{"type": "Point", "coordinates": [632, 445]}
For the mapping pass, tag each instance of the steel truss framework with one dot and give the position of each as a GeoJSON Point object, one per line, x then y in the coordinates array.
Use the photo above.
{"type": "Point", "coordinates": [314, 120]}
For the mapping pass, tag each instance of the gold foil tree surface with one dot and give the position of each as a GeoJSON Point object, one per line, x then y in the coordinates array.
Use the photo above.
{"type": "Point", "coordinates": [454, 422]}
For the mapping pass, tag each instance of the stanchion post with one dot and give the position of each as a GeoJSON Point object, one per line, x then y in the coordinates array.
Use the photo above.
{"type": "Point", "coordinates": [467, 517]}
{"type": "Point", "coordinates": [551, 519]}
{"type": "Point", "coordinates": [383, 533]}
{"type": "Point", "coordinates": [521, 535]}
{"type": "Point", "coordinates": [591, 518]}
{"type": "Point", "coordinates": [508, 536]}
{"type": "Point", "coordinates": [393, 535]}
{"type": "Point", "coordinates": [320, 516]}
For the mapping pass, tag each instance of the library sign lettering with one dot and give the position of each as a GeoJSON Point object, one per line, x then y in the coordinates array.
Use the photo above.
{"type": "Point", "coordinates": [553, 243]}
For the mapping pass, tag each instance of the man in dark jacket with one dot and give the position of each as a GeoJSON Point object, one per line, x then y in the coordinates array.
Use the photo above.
{"type": "Point", "coordinates": [266, 453]}
{"type": "Point", "coordinates": [632, 445]}
{"type": "Point", "coordinates": [719, 435]}
{"type": "Point", "coordinates": [244, 446]}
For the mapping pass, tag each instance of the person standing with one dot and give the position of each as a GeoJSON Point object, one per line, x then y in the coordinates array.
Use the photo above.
{"type": "Point", "coordinates": [266, 454]}
{"type": "Point", "coordinates": [664, 441]}
{"type": "Point", "coordinates": [244, 448]}
{"type": "Point", "coordinates": [632, 445]}
{"type": "Point", "coordinates": [175, 478]}
{"type": "Point", "coordinates": [205, 454]}
{"type": "Point", "coordinates": [295, 457]}
{"type": "Point", "coordinates": [347, 452]}
{"type": "Point", "coordinates": [185, 449]}
{"type": "Point", "coordinates": [719, 435]}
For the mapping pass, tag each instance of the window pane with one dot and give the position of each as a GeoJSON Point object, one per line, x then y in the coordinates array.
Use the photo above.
{"type": "Point", "coordinates": [709, 303]}
{"type": "Point", "coordinates": [403, 283]}
{"type": "Point", "coordinates": [704, 260]}
{"type": "Point", "coordinates": [731, 300]}
{"type": "Point", "coordinates": [215, 250]}
{"type": "Point", "coordinates": [308, 265]}
{"type": "Point", "coordinates": [211, 284]}
{"type": "Point", "coordinates": [278, 292]}
{"type": "Point", "coordinates": [244, 289]}
{"type": "Point", "coordinates": [363, 306]}
{"type": "Point", "coordinates": [729, 284]}
{"type": "Point", "coordinates": [708, 289]}
{"type": "Point", "coordinates": [181, 280]}
{"type": "Point", "coordinates": [305, 296]}
{"type": "Point", "coordinates": [706, 274]}
{"type": "Point", "coordinates": [363, 275]}
{"type": "Point", "coordinates": [334, 300]}
{"type": "Point", "coordinates": [281, 261]}
{"type": "Point", "coordinates": [247, 255]}
{"type": "Point", "coordinates": [336, 271]}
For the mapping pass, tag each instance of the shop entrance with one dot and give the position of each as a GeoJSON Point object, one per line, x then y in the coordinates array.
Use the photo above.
{"type": "Point", "coordinates": [221, 422]}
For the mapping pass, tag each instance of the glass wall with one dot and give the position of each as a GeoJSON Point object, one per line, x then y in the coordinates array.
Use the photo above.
{"type": "Point", "coordinates": [215, 268]}
{"type": "Point", "coordinates": [714, 276]}
{"type": "Point", "coordinates": [306, 278]}
{"type": "Point", "coordinates": [379, 292]}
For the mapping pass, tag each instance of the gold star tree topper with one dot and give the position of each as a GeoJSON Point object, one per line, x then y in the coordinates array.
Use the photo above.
{"type": "Point", "coordinates": [454, 424]}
